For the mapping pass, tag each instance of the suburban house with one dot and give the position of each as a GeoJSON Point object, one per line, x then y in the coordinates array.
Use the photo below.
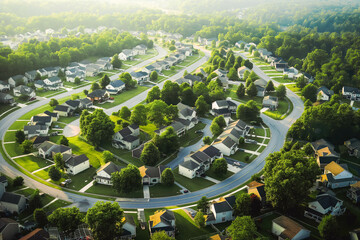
{"type": "Point", "coordinates": [286, 228]}
{"type": "Point", "coordinates": [140, 77]}
{"type": "Point", "coordinates": [354, 192]}
{"type": "Point", "coordinates": [324, 94]}
{"type": "Point", "coordinates": [38, 140]}
{"type": "Point", "coordinates": [226, 145]}
{"type": "Point", "coordinates": [24, 90]}
{"type": "Point", "coordinates": [221, 211]}
{"type": "Point", "coordinates": [201, 159]}
{"type": "Point", "coordinates": [280, 65]}
{"type": "Point", "coordinates": [126, 54]}
{"type": "Point", "coordinates": [258, 189]}
{"type": "Point", "coordinates": [17, 80]}
{"type": "Point", "coordinates": [72, 104]}
{"type": "Point", "coordinates": [264, 53]}
{"type": "Point", "coordinates": [62, 110]}
{"type": "Point", "coordinates": [248, 45]}
{"type": "Point", "coordinates": [115, 87]}
{"type": "Point", "coordinates": [171, 61]}
{"type": "Point", "coordinates": [92, 70]}
{"type": "Point", "coordinates": [75, 164]}
{"type": "Point", "coordinates": [351, 93]}
{"type": "Point", "coordinates": [151, 175]}
{"type": "Point", "coordinates": [260, 86]}
{"type": "Point", "coordinates": [192, 79]}
{"type": "Point", "coordinates": [128, 228]}
{"type": "Point", "coordinates": [31, 131]}
{"type": "Point", "coordinates": [324, 153]}
{"type": "Point", "coordinates": [232, 133]}
{"type": "Point", "coordinates": [335, 176]}
{"type": "Point", "coordinates": [99, 95]}
{"type": "Point", "coordinates": [9, 229]}
{"type": "Point", "coordinates": [103, 174]}
{"type": "Point", "coordinates": [48, 149]}
{"type": "Point", "coordinates": [241, 71]}
{"type": "Point", "coordinates": [140, 49]}
{"type": "Point", "coordinates": [149, 69]}
{"type": "Point", "coordinates": [223, 107]}
{"type": "Point", "coordinates": [54, 116]}
{"type": "Point", "coordinates": [290, 72]}
{"type": "Point", "coordinates": [353, 146]}
{"type": "Point", "coordinates": [11, 202]}
{"type": "Point", "coordinates": [127, 138]}
{"type": "Point", "coordinates": [85, 103]}
{"type": "Point", "coordinates": [41, 120]}
{"type": "Point", "coordinates": [162, 220]}
{"type": "Point", "coordinates": [30, 75]}
{"type": "Point", "coordinates": [187, 116]}
{"type": "Point", "coordinates": [270, 102]}
{"type": "Point", "coordinates": [6, 98]}
{"type": "Point", "coordinates": [49, 71]}
{"type": "Point", "coordinates": [4, 86]}
{"type": "Point", "coordinates": [325, 204]}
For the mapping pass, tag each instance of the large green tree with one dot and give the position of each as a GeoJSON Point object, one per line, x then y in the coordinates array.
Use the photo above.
{"type": "Point", "coordinates": [153, 94]}
{"type": "Point", "coordinates": [242, 204]}
{"type": "Point", "coordinates": [127, 180]}
{"type": "Point", "coordinates": [203, 204]}
{"type": "Point", "coordinates": [242, 228]}
{"type": "Point", "coordinates": [329, 228]}
{"type": "Point", "coordinates": [19, 136]}
{"type": "Point", "coordinates": [170, 93]}
{"type": "Point", "coordinates": [199, 219]}
{"type": "Point", "coordinates": [251, 90]}
{"type": "Point", "coordinates": [116, 62]}
{"type": "Point", "coordinates": [220, 166]}
{"type": "Point", "coordinates": [240, 91]}
{"type": "Point", "coordinates": [138, 115]}
{"type": "Point", "coordinates": [125, 113]}
{"type": "Point", "coordinates": [309, 92]}
{"type": "Point", "coordinates": [248, 111]}
{"type": "Point", "coordinates": [150, 154]}
{"type": "Point", "coordinates": [281, 91]}
{"type": "Point", "coordinates": [167, 177]}
{"type": "Point", "coordinates": [66, 219]}
{"type": "Point", "coordinates": [40, 217]}
{"type": "Point", "coordinates": [161, 235]}
{"type": "Point", "coordinates": [26, 146]}
{"type": "Point", "coordinates": [168, 141]}
{"type": "Point", "coordinates": [201, 106]}
{"type": "Point", "coordinates": [104, 81]}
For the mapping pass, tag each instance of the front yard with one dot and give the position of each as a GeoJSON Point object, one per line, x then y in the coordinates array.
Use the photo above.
{"type": "Point", "coordinates": [194, 184]}
{"type": "Point", "coordinates": [161, 190]}
{"type": "Point", "coordinates": [191, 137]}
{"type": "Point", "coordinates": [109, 191]}
{"type": "Point", "coordinates": [284, 109]}
{"type": "Point", "coordinates": [123, 97]}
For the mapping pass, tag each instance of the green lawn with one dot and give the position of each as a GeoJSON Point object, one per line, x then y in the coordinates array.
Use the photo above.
{"type": "Point", "coordinates": [74, 85]}
{"type": "Point", "coordinates": [18, 125]}
{"type": "Point", "coordinates": [81, 179]}
{"type": "Point", "coordinates": [240, 156]}
{"type": "Point", "coordinates": [32, 163]}
{"type": "Point", "coordinates": [257, 131]}
{"type": "Point", "coordinates": [26, 192]}
{"type": "Point", "coordinates": [57, 204]}
{"type": "Point", "coordinates": [109, 191]}
{"type": "Point", "coordinates": [283, 80]}
{"type": "Point", "coordinates": [79, 147]}
{"type": "Point", "coordinates": [281, 110]}
{"type": "Point", "coordinates": [161, 190]}
{"type": "Point", "coordinates": [188, 229]}
{"type": "Point", "coordinates": [249, 146]}
{"type": "Point", "coordinates": [124, 96]}
{"type": "Point", "coordinates": [264, 225]}
{"type": "Point", "coordinates": [267, 68]}
{"type": "Point", "coordinates": [10, 135]}
{"type": "Point", "coordinates": [194, 184]}
{"type": "Point", "coordinates": [123, 153]}
{"type": "Point", "coordinates": [293, 87]}
{"type": "Point", "coordinates": [13, 149]}
{"type": "Point", "coordinates": [190, 60]}
{"type": "Point", "coordinates": [49, 93]}
{"type": "Point", "coordinates": [231, 92]}
{"type": "Point", "coordinates": [44, 174]}
{"type": "Point", "coordinates": [212, 174]}
{"type": "Point", "coordinates": [191, 137]}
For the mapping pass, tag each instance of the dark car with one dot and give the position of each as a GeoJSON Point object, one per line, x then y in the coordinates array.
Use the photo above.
{"type": "Point", "coordinates": [199, 131]}
{"type": "Point", "coordinates": [186, 191]}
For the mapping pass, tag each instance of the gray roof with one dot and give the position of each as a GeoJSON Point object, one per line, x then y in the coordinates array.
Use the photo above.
{"type": "Point", "coordinates": [85, 101]}
{"type": "Point", "coordinates": [32, 73]}
{"type": "Point", "coordinates": [125, 132]}
{"type": "Point", "coordinates": [189, 165]}
{"type": "Point", "coordinates": [322, 143]}
{"type": "Point", "coordinates": [17, 77]}
{"type": "Point", "coordinates": [200, 157]}
{"type": "Point", "coordinates": [212, 151]}
{"type": "Point", "coordinates": [127, 52]}
{"type": "Point", "coordinates": [138, 74]}
{"type": "Point", "coordinates": [228, 142]}
{"type": "Point", "coordinates": [76, 160]}
{"type": "Point", "coordinates": [61, 108]}
{"type": "Point", "coordinates": [261, 83]}
{"type": "Point", "coordinates": [11, 197]}
{"type": "Point", "coordinates": [54, 79]}
{"type": "Point", "coordinates": [51, 114]}
{"type": "Point", "coordinates": [44, 119]}
{"type": "Point", "coordinates": [130, 138]}
{"type": "Point", "coordinates": [193, 78]}
{"type": "Point", "coordinates": [25, 90]}
{"type": "Point", "coordinates": [73, 103]}
{"type": "Point", "coordinates": [326, 91]}
{"type": "Point", "coordinates": [154, 172]}
{"type": "Point", "coordinates": [33, 129]}
{"type": "Point", "coordinates": [351, 89]}
{"type": "Point", "coordinates": [5, 96]}
{"type": "Point", "coordinates": [97, 93]}
{"type": "Point", "coordinates": [110, 168]}
{"type": "Point", "coordinates": [150, 68]}
{"type": "Point", "coordinates": [326, 200]}
{"type": "Point", "coordinates": [3, 83]}
{"type": "Point", "coordinates": [177, 126]}
{"type": "Point", "coordinates": [117, 83]}
{"type": "Point", "coordinates": [40, 82]}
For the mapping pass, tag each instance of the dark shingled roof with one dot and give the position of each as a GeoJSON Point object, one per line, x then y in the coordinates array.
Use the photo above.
{"type": "Point", "coordinates": [51, 114]}
{"type": "Point", "coordinates": [44, 119]}
{"type": "Point", "coordinates": [222, 206]}
{"type": "Point", "coordinates": [76, 160]}
{"type": "Point", "coordinates": [212, 151]}
{"type": "Point", "coordinates": [61, 108]}
{"type": "Point", "coordinates": [130, 138]}
{"type": "Point", "coordinates": [189, 165]}
{"type": "Point", "coordinates": [200, 157]}
{"type": "Point", "coordinates": [326, 200]}
{"type": "Point", "coordinates": [97, 93]}
{"type": "Point", "coordinates": [110, 168]}
{"type": "Point", "coordinates": [125, 132]}
{"type": "Point", "coordinates": [4, 222]}
{"type": "Point", "coordinates": [11, 198]}
{"type": "Point", "coordinates": [73, 103]}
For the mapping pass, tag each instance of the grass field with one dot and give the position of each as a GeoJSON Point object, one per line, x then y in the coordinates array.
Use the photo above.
{"type": "Point", "coordinates": [109, 191]}
{"type": "Point", "coordinates": [160, 190]}
{"type": "Point", "coordinates": [18, 125]}
{"type": "Point", "coordinates": [49, 93]}
{"type": "Point", "coordinates": [10, 136]}
{"type": "Point", "coordinates": [124, 96]}
{"type": "Point", "coordinates": [257, 131]}
{"type": "Point", "coordinates": [79, 147]}
{"type": "Point", "coordinates": [281, 110]}
{"type": "Point", "coordinates": [13, 149]}
{"type": "Point", "coordinates": [212, 174]}
{"type": "Point", "coordinates": [194, 184]}
{"type": "Point", "coordinates": [32, 163]}
{"type": "Point", "coordinates": [282, 80]}
{"type": "Point", "coordinates": [240, 156]}
{"type": "Point", "coordinates": [267, 68]}
{"type": "Point", "coordinates": [231, 92]}
{"type": "Point", "coordinates": [81, 179]}
{"type": "Point", "coordinates": [293, 88]}
{"type": "Point", "coordinates": [191, 137]}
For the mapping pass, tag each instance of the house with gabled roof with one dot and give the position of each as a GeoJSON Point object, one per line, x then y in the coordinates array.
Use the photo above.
{"type": "Point", "coordinates": [232, 133]}
{"type": "Point", "coordinates": [62, 110]}
{"type": "Point", "coordinates": [115, 87]}
{"type": "Point", "coordinates": [128, 228]}
{"type": "Point", "coordinates": [38, 140]}
{"type": "Point", "coordinates": [270, 102]}
{"type": "Point", "coordinates": [336, 176]}
{"type": "Point", "coordinates": [9, 229]}
{"type": "Point", "coordinates": [126, 54]}
{"type": "Point", "coordinates": [41, 120]}
{"type": "Point", "coordinates": [324, 94]}
{"type": "Point", "coordinates": [325, 204]}
{"type": "Point", "coordinates": [241, 71]}
{"type": "Point", "coordinates": [178, 127]}
{"type": "Point", "coordinates": [75, 164]}
{"type": "Point", "coordinates": [30, 75]}
{"type": "Point", "coordinates": [211, 151]}
{"type": "Point", "coordinates": [4, 86]}
{"type": "Point", "coordinates": [150, 68]}
{"type": "Point", "coordinates": [226, 145]}
{"type": "Point", "coordinates": [17, 80]}
{"type": "Point", "coordinates": [48, 149]}
{"type": "Point", "coordinates": [151, 175]}
{"type": "Point", "coordinates": [221, 211]}
{"type": "Point", "coordinates": [31, 131]}
{"type": "Point", "coordinates": [192, 79]}
{"type": "Point", "coordinates": [100, 95]}
{"type": "Point", "coordinates": [223, 107]}
{"type": "Point", "coordinates": [353, 146]}
{"type": "Point", "coordinates": [140, 76]}
{"type": "Point", "coordinates": [6, 98]}
{"type": "Point", "coordinates": [103, 174]}
{"type": "Point", "coordinates": [127, 138]}
{"type": "Point", "coordinates": [286, 228]}
{"type": "Point", "coordinates": [258, 189]}
{"type": "Point", "coordinates": [162, 220]}
{"type": "Point", "coordinates": [24, 90]}
{"type": "Point", "coordinates": [11, 202]}
{"type": "Point", "coordinates": [324, 152]}
{"type": "Point", "coordinates": [353, 192]}
{"type": "Point", "coordinates": [260, 86]}
{"type": "Point", "coordinates": [139, 50]}
{"type": "Point", "coordinates": [72, 104]}
{"type": "Point", "coordinates": [351, 93]}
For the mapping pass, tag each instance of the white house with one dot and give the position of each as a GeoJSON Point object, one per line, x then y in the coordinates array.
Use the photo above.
{"type": "Point", "coordinates": [92, 70]}
{"type": "Point", "coordinates": [24, 90]}
{"type": "Point", "coordinates": [335, 176]}
{"type": "Point", "coordinates": [30, 75]}
{"type": "Point", "coordinates": [103, 174]}
{"type": "Point", "coordinates": [351, 93]}
{"type": "Point", "coordinates": [17, 80]}
{"type": "Point", "coordinates": [126, 54]}
{"type": "Point", "coordinates": [324, 94]}
{"type": "Point", "coordinates": [75, 164]}
{"type": "Point", "coordinates": [127, 138]}
{"type": "Point", "coordinates": [115, 86]}
{"type": "Point", "coordinates": [226, 145]}
{"type": "Point", "coordinates": [140, 49]}
{"type": "Point", "coordinates": [162, 220]}
{"type": "Point", "coordinates": [325, 204]}
{"type": "Point", "coordinates": [11, 202]}
{"type": "Point", "coordinates": [36, 130]}
{"type": "Point", "coordinates": [140, 77]}
{"type": "Point", "coordinates": [4, 86]}
{"type": "Point", "coordinates": [47, 149]}
{"type": "Point", "coordinates": [151, 175]}
{"type": "Point", "coordinates": [260, 86]}
{"type": "Point", "coordinates": [286, 228]}
{"type": "Point", "coordinates": [41, 120]}
{"type": "Point", "coordinates": [221, 211]}
{"type": "Point", "coordinates": [128, 228]}
{"type": "Point", "coordinates": [290, 72]}
{"type": "Point", "coordinates": [62, 110]}
{"type": "Point", "coordinates": [223, 107]}
{"type": "Point", "coordinates": [270, 102]}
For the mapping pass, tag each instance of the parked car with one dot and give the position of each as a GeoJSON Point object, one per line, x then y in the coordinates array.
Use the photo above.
{"type": "Point", "coordinates": [111, 98]}
{"type": "Point", "coordinates": [199, 131]}
{"type": "Point", "coordinates": [186, 191]}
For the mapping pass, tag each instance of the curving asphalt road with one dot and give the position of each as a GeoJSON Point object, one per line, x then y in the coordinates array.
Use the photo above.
{"type": "Point", "coordinates": [278, 134]}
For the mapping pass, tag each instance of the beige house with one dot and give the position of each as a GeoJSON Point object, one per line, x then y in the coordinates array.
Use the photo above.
{"type": "Point", "coordinates": [286, 228]}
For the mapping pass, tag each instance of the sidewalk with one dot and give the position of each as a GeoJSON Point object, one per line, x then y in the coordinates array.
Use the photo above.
{"type": "Point", "coordinates": [146, 191]}
{"type": "Point", "coordinates": [38, 170]}
{"type": "Point", "coordinates": [89, 185]}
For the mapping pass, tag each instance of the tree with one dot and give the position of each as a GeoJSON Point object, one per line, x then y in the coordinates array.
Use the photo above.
{"type": "Point", "coordinates": [53, 102]}
{"type": "Point", "coordinates": [207, 140]}
{"type": "Point", "coordinates": [94, 86]}
{"type": "Point", "coordinates": [281, 91]}
{"type": "Point", "coordinates": [107, 156]}
{"type": "Point", "coordinates": [26, 146]}
{"type": "Point", "coordinates": [19, 136]}
{"type": "Point", "coordinates": [156, 112]}
{"type": "Point", "coordinates": [301, 82]}
{"type": "Point", "coordinates": [232, 75]}
{"type": "Point", "coordinates": [187, 96]}
{"type": "Point", "coordinates": [242, 228]}
{"type": "Point", "coordinates": [220, 120]}
{"type": "Point", "coordinates": [54, 174]}
{"type": "Point", "coordinates": [255, 205]}
{"type": "Point", "coordinates": [201, 106]}
{"type": "Point", "coordinates": [125, 113]}
{"type": "Point", "coordinates": [170, 93]}
{"type": "Point", "coordinates": [116, 62]}
{"type": "Point", "coordinates": [127, 79]}
{"type": "Point", "coordinates": [256, 54]}
{"type": "Point", "coordinates": [240, 91]}
{"type": "Point", "coordinates": [161, 235]}
{"type": "Point", "coordinates": [251, 91]}
{"type": "Point", "coordinates": [329, 228]}
{"type": "Point", "coordinates": [308, 150]}
{"type": "Point", "coordinates": [77, 81]}
{"type": "Point", "coordinates": [215, 129]}
{"type": "Point", "coordinates": [105, 220]}
{"type": "Point", "coordinates": [66, 219]}
{"type": "Point", "coordinates": [309, 92]}
{"type": "Point", "coordinates": [203, 204]}
{"type": "Point", "coordinates": [64, 141]}
{"type": "Point", "coordinates": [138, 115]}
{"type": "Point", "coordinates": [64, 59]}
{"type": "Point", "coordinates": [40, 217]}
{"type": "Point", "coordinates": [308, 103]}
{"type": "Point", "coordinates": [86, 92]}
{"type": "Point", "coordinates": [246, 76]}
{"type": "Point", "coordinates": [167, 177]}
{"type": "Point", "coordinates": [248, 111]}
{"type": "Point", "coordinates": [199, 219]}
{"type": "Point", "coordinates": [242, 204]}
{"type": "Point", "coordinates": [171, 112]}
{"type": "Point", "coordinates": [127, 180]}
{"type": "Point", "coordinates": [59, 162]}
{"type": "Point", "coordinates": [35, 200]}
{"type": "Point", "coordinates": [150, 154]}
{"type": "Point", "coordinates": [18, 181]}
{"type": "Point", "coordinates": [270, 86]}
{"type": "Point", "coordinates": [153, 94]}
{"type": "Point", "coordinates": [248, 64]}
{"type": "Point", "coordinates": [251, 48]}
{"type": "Point", "coordinates": [168, 141]}
{"type": "Point", "coordinates": [288, 178]}
{"type": "Point", "coordinates": [220, 167]}
{"type": "Point", "coordinates": [154, 76]}
{"type": "Point", "coordinates": [104, 81]}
